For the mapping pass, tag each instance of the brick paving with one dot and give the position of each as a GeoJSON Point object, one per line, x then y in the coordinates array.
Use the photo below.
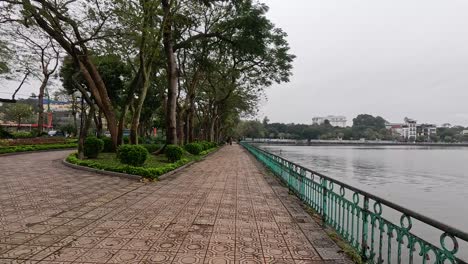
{"type": "Point", "coordinates": [225, 209]}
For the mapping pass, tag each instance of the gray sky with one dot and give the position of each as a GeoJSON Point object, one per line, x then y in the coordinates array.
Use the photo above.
{"type": "Point", "coordinates": [393, 58]}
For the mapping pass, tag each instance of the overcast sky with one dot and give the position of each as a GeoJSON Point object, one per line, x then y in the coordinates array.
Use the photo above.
{"type": "Point", "coordinates": [393, 58]}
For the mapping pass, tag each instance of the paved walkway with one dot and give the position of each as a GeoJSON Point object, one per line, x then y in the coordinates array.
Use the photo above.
{"type": "Point", "coordinates": [225, 209]}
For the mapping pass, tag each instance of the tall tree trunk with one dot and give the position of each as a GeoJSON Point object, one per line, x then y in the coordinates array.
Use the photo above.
{"type": "Point", "coordinates": [40, 115]}
{"type": "Point", "coordinates": [143, 82]}
{"type": "Point", "coordinates": [213, 123]}
{"type": "Point", "coordinates": [84, 130]}
{"type": "Point", "coordinates": [180, 126]}
{"type": "Point", "coordinates": [98, 122]}
{"type": "Point", "coordinates": [88, 69]}
{"type": "Point", "coordinates": [74, 111]}
{"type": "Point", "coordinates": [171, 118]}
{"type": "Point", "coordinates": [98, 90]}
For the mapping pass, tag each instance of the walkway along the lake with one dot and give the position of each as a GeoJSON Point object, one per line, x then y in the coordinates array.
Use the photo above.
{"type": "Point", "coordinates": [225, 209]}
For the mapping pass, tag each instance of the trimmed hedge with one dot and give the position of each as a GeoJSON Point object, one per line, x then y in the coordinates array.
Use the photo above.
{"type": "Point", "coordinates": [25, 148]}
{"type": "Point", "coordinates": [207, 144]}
{"type": "Point", "coordinates": [173, 153]}
{"type": "Point", "coordinates": [92, 147]}
{"type": "Point", "coordinates": [194, 148]}
{"type": "Point", "coordinates": [108, 145]}
{"type": "Point", "coordinates": [134, 155]}
{"type": "Point", "coordinates": [208, 151]}
{"type": "Point", "coordinates": [152, 173]}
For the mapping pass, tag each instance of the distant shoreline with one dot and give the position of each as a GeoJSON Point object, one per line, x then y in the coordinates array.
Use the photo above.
{"type": "Point", "coordinates": [358, 143]}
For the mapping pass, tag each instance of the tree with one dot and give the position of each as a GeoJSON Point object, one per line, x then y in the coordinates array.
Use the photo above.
{"type": "Point", "coordinates": [368, 126]}
{"type": "Point", "coordinates": [311, 132]}
{"type": "Point", "coordinates": [369, 121]}
{"type": "Point", "coordinates": [75, 26]}
{"type": "Point", "coordinates": [44, 50]}
{"type": "Point", "coordinates": [216, 58]}
{"type": "Point", "coordinates": [17, 112]}
{"type": "Point", "coordinates": [236, 48]}
{"type": "Point", "coordinates": [5, 56]}
{"type": "Point", "coordinates": [251, 129]}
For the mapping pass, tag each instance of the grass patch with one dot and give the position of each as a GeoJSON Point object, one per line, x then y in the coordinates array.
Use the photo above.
{"type": "Point", "coordinates": [347, 249]}
{"type": "Point", "coordinates": [155, 165]}
{"type": "Point", "coordinates": [110, 159]}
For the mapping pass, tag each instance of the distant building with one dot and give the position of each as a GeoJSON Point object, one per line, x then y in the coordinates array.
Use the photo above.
{"type": "Point", "coordinates": [396, 129]}
{"type": "Point", "coordinates": [426, 130]}
{"type": "Point", "coordinates": [465, 132]}
{"type": "Point", "coordinates": [336, 121]}
{"type": "Point", "coordinates": [410, 130]}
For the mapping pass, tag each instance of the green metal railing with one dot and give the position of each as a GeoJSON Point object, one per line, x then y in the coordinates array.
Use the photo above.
{"type": "Point", "coordinates": [358, 217]}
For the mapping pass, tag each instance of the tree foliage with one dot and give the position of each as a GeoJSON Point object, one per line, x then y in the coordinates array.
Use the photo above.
{"type": "Point", "coordinates": [19, 113]}
{"type": "Point", "coordinates": [193, 68]}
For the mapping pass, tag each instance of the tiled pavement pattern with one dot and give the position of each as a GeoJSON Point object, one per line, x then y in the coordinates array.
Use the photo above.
{"type": "Point", "coordinates": [225, 209]}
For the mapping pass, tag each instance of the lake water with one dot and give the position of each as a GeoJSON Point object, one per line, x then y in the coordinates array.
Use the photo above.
{"type": "Point", "coordinates": [430, 180]}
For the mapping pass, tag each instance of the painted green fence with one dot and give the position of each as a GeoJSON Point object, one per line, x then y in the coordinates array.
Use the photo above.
{"type": "Point", "coordinates": [381, 231]}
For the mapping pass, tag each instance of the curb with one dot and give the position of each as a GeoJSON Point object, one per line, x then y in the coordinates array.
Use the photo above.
{"type": "Point", "coordinates": [165, 175]}
{"type": "Point", "coordinates": [132, 176]}
{"type": "Point", "coordinates": [34, 151]}
{"type": "Point", "coordinates": [104, 172]}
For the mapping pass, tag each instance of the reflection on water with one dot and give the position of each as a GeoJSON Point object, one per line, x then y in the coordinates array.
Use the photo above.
{"type": "Point", "coordinates": [430, 180]}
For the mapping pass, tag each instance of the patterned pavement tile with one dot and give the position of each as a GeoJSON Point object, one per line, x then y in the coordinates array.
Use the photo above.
{"type": "Point", "coordinates": [225, 209]}
{"type": "Point", "coordinates": [158, 257]}
{"type": "Point", "coordinates": [127, 256]}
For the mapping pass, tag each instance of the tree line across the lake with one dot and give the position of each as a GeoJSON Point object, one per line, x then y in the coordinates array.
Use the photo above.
{"type": "Point", "coordinates": [192, 68]}
{"type": "Point", "coordinates": [364, 126]}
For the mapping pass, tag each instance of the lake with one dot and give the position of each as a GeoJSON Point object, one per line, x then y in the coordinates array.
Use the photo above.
{"type": "Point", "coordinates": [430, 180]}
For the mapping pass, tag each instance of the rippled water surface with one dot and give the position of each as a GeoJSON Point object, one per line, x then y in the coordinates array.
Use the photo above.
{"type": "Point", "coordinates": [430, 180]}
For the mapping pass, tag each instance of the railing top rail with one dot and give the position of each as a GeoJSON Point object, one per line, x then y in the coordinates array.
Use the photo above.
{"type": "Point", "coordinates": [444, 227]}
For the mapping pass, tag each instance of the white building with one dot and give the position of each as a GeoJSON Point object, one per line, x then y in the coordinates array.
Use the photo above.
{"type": "Point", "coordinates": [410, 132]}
{"type": "Point", "coordinates": [336, 121]}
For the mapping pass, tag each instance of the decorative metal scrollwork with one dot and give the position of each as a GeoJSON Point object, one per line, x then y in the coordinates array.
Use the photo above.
{"type": "Point", "coordinates": [365, 228]}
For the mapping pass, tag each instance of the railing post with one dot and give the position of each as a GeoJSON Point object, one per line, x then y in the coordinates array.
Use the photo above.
{"type": "Point", "coordinates": [324, 201]}
{"type": "Point", "coordinates": [365, 229]}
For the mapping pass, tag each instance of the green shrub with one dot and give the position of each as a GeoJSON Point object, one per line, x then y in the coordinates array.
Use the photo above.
{"type": "Point", "coordinates": [22, 135]}
{"type": "Point", "coordinates": [174, 153]}
{"type": "Point", "coordinates": [203, 144]}
{"type": "Point", "coordinates": [194, 148]}
{"type": "Point", "coordinates": [152, 147]}
{"type": "Point", "coordinates": [5, 134]}
{"type": "Point", "coordinates": [108, 144]}
{"type": "Point", "coordinates": [152, 172]}
{"type": "Point", "coordinates": [134, 155]}
{"type": "Point", "coordinates": [208, 145]}
{"type": "Point", "coordinates": [92, 147]}
{"type": "Point", "coordinates": [126, 139]}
